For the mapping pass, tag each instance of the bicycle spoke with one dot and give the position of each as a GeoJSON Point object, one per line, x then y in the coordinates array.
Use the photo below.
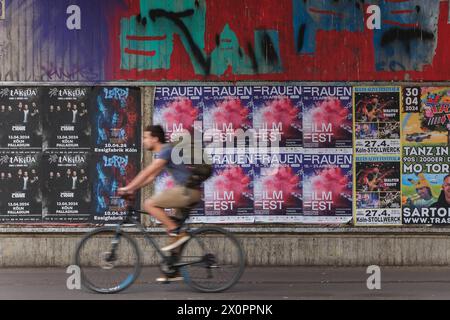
{"type": "Point", "coordinates": [222, 260]}
{"type": "Point", "coordinates": [108, 265]}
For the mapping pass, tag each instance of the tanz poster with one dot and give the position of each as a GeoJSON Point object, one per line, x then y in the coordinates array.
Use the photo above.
{"type": "Point", "coordinates": [426, 156]}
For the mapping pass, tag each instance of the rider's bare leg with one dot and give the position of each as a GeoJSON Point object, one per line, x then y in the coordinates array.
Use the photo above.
{"type": "Point", "coordinates": [160, 215]}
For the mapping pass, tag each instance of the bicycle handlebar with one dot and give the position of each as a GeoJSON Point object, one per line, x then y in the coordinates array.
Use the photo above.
{"type": "Point", "coordinates": [129, 197]}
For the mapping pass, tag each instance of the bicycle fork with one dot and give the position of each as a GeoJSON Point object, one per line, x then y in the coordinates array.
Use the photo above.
{"type": "Point", "coordinates": [111, 256]}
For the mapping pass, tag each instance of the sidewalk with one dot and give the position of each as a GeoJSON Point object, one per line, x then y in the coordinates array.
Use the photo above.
{"type": "Point", "coordinates": [256, 284]}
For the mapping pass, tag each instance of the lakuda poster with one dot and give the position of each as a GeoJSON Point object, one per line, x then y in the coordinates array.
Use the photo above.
{"type": "Point", "coordinates": [20, 118]}
{"type": "Point", "coordinates": [426, 155]}
{"type": "Point", "coordinates": [327, 117]}
{"type": "Point", "coordinates": [66, 187]}
{"type": "Point", "coordinates": [20, 186]}
{"type": "Point", "coordinates": [66, 118]}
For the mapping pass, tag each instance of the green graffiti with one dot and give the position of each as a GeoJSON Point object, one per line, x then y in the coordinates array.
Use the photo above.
{"type": "Point", "coordinates": [147, 41]}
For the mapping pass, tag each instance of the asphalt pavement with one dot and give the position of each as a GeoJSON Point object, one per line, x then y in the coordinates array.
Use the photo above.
{"type": "Point", "coordinates": [293, 283]}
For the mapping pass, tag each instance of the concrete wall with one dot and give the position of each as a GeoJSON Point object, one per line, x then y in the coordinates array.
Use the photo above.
{"type": "Point", "coordinates": [266, 246]}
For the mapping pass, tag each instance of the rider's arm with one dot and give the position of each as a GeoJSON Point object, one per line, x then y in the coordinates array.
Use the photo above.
{"type": "Point", "coordinates": [147, 175]}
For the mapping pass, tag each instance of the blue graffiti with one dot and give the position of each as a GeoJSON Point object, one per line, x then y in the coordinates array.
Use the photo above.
{"type": "Point", "coordinates": [407, 39]}
{"type": "Point", "coordinates": [102, 119]}
{"type": "Point", "coordinates": [101, 190]}
{"type": "Point", "coordinates": [47, 19]}
{"type": "Point", "coordinates": [312, 16]}
{"type": "Point", "coordinates": [116, 93]}
{"type": "Point", "coordinates": [116, 162]}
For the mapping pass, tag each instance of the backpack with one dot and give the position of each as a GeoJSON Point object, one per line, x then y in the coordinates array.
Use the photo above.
{"type": "Point", "coordinates": [199, 174]}
{"type": "Point", "coordinates": [200, 170]}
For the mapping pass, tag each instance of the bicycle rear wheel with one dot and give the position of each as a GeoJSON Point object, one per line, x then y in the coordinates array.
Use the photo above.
{"type": "Point", "coordinates": [213, 260]}
{"type": "Point", "coordinates": [103, 269]}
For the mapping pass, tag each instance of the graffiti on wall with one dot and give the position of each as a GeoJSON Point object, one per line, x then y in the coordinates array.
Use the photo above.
{"type": "Point", "coordinates": [147, 41]}
{"type": "Point", "coordinates": [407, 38]}
{"type": "Point", "coordinates": [232, 40]}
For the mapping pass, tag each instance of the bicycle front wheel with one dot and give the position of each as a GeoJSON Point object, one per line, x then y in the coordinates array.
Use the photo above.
{"type": "Point", "coordinates": [108, 262]}
{"type": "Point", "coordinates": [212, 260]}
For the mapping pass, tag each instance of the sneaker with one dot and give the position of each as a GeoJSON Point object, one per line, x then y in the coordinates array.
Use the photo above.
{"type": "Point", "coordinates": [176, 241]}
{"type": "Point", "coordinates": [174, 232]}
{"type": "Point", "coordinates": [167, 279]}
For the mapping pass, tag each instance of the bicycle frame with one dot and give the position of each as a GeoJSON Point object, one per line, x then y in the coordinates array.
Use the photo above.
{"type": "Point", "coordinates": [130, 219]}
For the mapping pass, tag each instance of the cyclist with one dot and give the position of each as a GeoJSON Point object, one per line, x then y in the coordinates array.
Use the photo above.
{"type": "Point", "coordinates": [175, 198]}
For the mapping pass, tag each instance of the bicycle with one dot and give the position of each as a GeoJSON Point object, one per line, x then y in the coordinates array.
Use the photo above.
{"type": "Point", "coordinates": [113, 266]}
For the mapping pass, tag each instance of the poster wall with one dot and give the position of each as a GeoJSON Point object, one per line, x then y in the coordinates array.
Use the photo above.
{"type": "Point", "coordinates": [377, 149]}
{"type": "Point", "coordinates": [281, 153]}
{"type": "Point", "coordinates": [258, 138]}
{"type": "Point", "coordinates": [51, 140]}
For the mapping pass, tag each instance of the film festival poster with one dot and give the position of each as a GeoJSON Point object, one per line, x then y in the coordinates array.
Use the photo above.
{"type": "Point", "coordinates": [378, 194]}
{"type": "Point", "coordinates": [426, 156]}
{"type": "Point", "coordinates": [277, 115]}
{"type": "Point", "coordinates": [278, 192]}
{"type": "Point", "coordinates": [110, 172]}
{"type": "Point", "coordinates": [116, 120]}
{"type": "Point", "coordinates": [20, 118]}
{"type": "Point", "coordinates": [179, 110]}
{"type": "Point", "coordinates": [327, 117]}
{"type": "Point", "coordinates": [66, 187]}
{"type": "Point", "coordinates": [327, 187]}
{"type": "Point", "coordinates": [20, 187]}
{"type": "Point", "coordinates": [228, 193]}
{"type": "Point", "coordinates": [227, 117]}
{"type": "Point", "coordinates": [66, 118]}
{"type": "Point", "coordinates": [377, 120]}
